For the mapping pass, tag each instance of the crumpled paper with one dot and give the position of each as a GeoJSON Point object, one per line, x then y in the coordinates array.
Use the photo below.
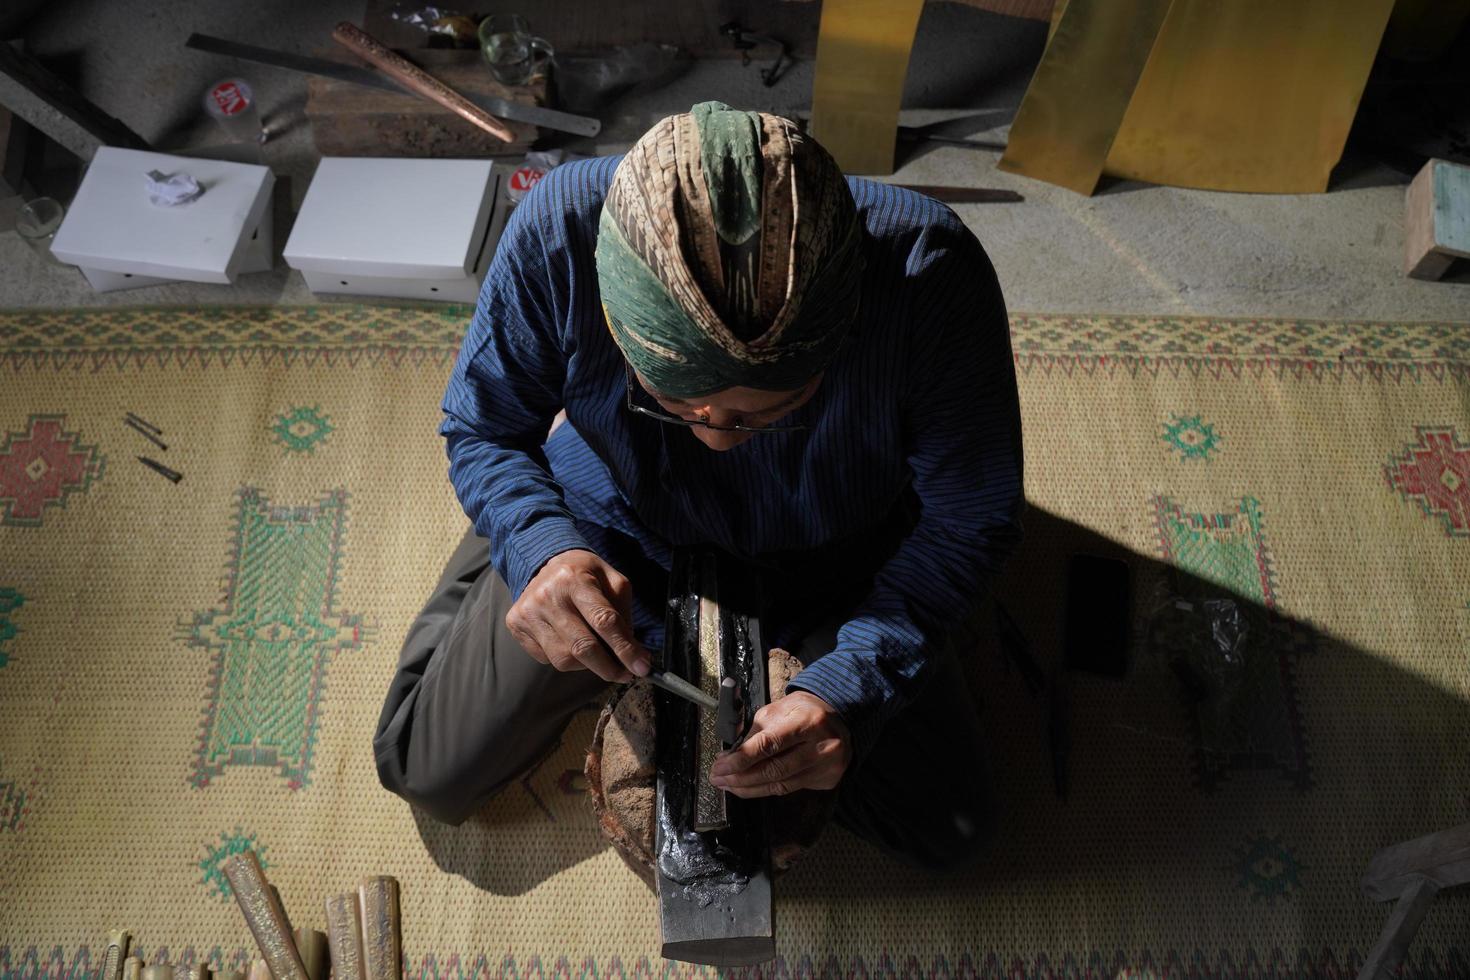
{"type": "Point", "coordinates": [171, 190]}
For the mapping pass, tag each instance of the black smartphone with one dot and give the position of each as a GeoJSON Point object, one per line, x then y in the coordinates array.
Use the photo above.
{"type": "Point", "coordinates": [1098, 620]}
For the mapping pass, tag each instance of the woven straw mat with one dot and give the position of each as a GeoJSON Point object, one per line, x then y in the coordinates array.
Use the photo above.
{"type": "Point", "coordinates": [190, 670]}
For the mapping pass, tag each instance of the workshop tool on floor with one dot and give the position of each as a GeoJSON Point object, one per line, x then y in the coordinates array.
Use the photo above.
{"type": "Point", "coordinates": [964, 195]}
{"type": "Point", "coordinates": [145, 434]}
{"type": "Point", "coordinates": [1436, 219]}
{"type": "Point", "coordinates": [1410, 875]}
{"type": "Point", "coordinates": [139, 420]}
{"type": "Point", "coordinates": [261, 906]}
{"type": "Point", "coordinates": [714, 886]}
{"type": "Point", "coordinates": [173, 476]}
{"type": "Point", "coordinates": [344, 935]}
{"type": "Point", "coordinates": [564, 122]}
{"type": "Point", "coordinates": [382, 944]}
{"type": "Point", "coordinates": [417, 80]}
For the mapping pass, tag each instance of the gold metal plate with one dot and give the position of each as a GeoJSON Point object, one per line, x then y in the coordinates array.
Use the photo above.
{"type": "Point", "coordinates": [862, 57]}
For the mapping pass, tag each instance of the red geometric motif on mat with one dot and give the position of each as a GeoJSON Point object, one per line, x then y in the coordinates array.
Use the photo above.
{"type": "Point", "coordinates": [40, 466]}
{"type": "Point", "coordinates": [1436, 475]}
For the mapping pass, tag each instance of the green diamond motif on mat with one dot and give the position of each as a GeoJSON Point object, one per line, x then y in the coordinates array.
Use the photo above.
{"type": "Point", "coordinates": [272, 637]}
{"type": "Point", "coordinates": [1225, 549]}
{"type": "Point", "coordinates": [215, 856]}
{"type": "Point", "coordinates": [1191, 437]}
{"type": "Point", "coordinates": [10, 601]}
{"type": "Point", "coordinates": [1268, 869]}
{"type": "Point", "coordinates": [302, 429]}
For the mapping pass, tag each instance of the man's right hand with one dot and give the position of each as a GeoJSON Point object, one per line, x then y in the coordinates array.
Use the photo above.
{"type": "Point", "coordinates": [576, 610]}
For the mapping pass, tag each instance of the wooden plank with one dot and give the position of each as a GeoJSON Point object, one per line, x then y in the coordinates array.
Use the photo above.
{"type": "Point", "coordinates": [352, 120]}
{"type": "Point", "coordinates": [1443, 858]}
{"type": "Point", "coordinates": [714, 888]}
{"type": "Point", "coordinates": [1384, 959]}
{"type": "Point", "coordinates": [56, 109]}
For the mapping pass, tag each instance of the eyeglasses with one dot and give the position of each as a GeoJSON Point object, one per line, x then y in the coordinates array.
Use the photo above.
{"type": "Point", "coordinates": [663, 416]}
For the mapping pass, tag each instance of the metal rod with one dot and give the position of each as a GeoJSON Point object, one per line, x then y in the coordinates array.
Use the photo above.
{"type": "Point", "coordinates": [145, 434]}
{"type": "Point", "coordinates": [144, 423]}
{"type": "Point", "coordinates": [679, 687]}
{"type": "Point", "coordinates": [160, 469]}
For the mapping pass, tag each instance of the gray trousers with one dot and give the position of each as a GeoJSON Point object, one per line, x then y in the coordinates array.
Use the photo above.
{"type": "Point", "coordinates": [468, 712]}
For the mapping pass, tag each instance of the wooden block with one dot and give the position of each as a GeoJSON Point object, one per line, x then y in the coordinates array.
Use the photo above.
{"type": "Point", "coordinates": [312, 946]}
{"type": "Point", "coordinates": [1436, 219]}
{"type": "Point", "coordinates": [350, 120]}
{"type": "Point", "coordinates": [714, 888]}
{"type": "Point", "coordinates": [118, 942]}
{"type": "Point", "coordinates": [261, 906]}
{"type": "Point", "coordinates": [1443, 858]}
{"type": "Point", "coordinates": [382, 949]}
{"type": "Point", "coordinates": [344, 934]}
{"type": "Point", "coordinates": [53, 107]}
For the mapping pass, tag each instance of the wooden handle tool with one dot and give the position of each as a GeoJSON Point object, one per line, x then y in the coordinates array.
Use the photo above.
{"type": "Point", "coordinates": [371, 50]}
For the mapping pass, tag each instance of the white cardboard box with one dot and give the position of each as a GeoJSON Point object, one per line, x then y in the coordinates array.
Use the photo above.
{"type": "Point", "coordinates": [112, 226]}
{"type": "Point", "coordinates": [258, 257]}
{"type": "Point", "coordinates": [410, 228]}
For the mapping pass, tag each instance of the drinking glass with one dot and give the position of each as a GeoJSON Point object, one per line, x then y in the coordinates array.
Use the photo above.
{"type": "Point", "coordinates": [36, 222]}
{"type": "Point", "coordinates": [513, 53]}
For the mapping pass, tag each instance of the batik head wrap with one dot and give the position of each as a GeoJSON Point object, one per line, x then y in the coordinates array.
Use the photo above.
{"type": "Point", "coordinates": [728, 254]}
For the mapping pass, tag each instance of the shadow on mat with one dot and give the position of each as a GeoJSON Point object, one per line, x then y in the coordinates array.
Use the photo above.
{"type": "Point", "coordinates": [531, 830]}
{"type": "Point", "coordinates": [1158, 787]}
{"type": "Point", "coordinates": [1163, 789]}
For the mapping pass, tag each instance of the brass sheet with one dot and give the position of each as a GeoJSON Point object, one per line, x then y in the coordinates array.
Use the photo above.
{"type": "Point", "coordinates": [1249, 95]}
{"type": "Point", "coordinates": [1080, 92]}
{"type": "Point", "coordinates": [862, 57]}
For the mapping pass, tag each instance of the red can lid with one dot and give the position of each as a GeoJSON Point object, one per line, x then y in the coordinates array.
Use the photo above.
{"type": "Point", "coordinates": [228, 98]}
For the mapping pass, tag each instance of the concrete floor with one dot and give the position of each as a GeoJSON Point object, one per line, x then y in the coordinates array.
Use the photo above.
{"type": "Point", "coordinates": [1130, 249]}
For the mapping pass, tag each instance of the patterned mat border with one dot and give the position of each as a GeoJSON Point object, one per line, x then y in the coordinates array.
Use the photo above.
{"type": "Point", "coordinates": [1195, 965]}
{"type": "Point", "coordinates": [226, 336]}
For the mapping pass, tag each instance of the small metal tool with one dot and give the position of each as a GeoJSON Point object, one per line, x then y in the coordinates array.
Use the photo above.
{"type": "Point", "coordinates": [679, 687]}
{"type": "Point", "coordinates": [173, 476]}
{"type": "Point", "coordinates": [138, 428]}
{"type": "Point", "coordinates": [140, 420]}
{"type": "Point", "coordinates": [564, 122]}
{"type": "Point", "coordinates": [730, 714]}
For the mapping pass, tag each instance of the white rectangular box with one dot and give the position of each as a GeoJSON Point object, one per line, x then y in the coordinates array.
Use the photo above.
{"type": "Point", "coordinates": [113, 227]}
{"type": "Point", "coordinates": [407, 228]}
{"type": "Point", "coordinates": [258, 257]}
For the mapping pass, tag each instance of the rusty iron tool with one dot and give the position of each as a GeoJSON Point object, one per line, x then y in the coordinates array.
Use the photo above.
{"type": "Point", "coordinates": [415, 79]}
{"type": "Point", "coordinates": [173, 476]}
{"type": "Point", "coordinates": [138, 428]}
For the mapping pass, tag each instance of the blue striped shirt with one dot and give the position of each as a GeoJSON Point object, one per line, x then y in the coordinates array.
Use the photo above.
{"type": "Point", "coordinates": [919, 404]}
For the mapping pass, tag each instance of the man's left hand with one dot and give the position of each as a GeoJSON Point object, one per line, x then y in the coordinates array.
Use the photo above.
{"type": "Point", "coordinates": [797, 742]}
